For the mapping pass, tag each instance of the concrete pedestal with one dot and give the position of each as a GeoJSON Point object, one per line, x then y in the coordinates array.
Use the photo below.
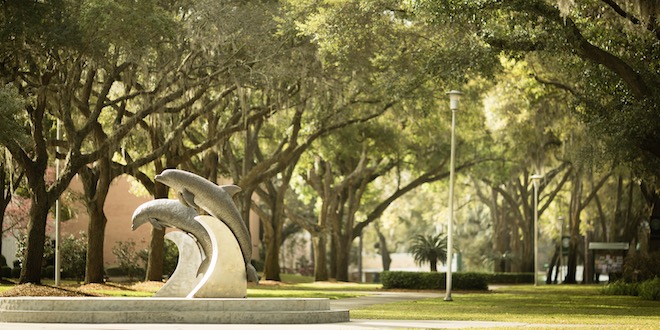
{"type": "Point", "coordinates": [169, 310]}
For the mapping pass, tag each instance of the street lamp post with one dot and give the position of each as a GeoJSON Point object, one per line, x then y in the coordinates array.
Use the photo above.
{"type": "Point", "coordinates": [454, 96]}
{"type": "Point", "coordinates": [57, 213]}
{"type": "Point", "coordinates": [535, 178]}
{"type": "Point", "coordinates": [561, 248]}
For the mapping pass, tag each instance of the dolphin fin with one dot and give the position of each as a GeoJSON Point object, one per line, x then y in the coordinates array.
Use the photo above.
{"type": "Point", "coordinates": [156, 224]}
{"type": "Point", "coordinates": [231, 189]}
{"type": "Point", "coordinates": [182, 199]}
{"type": "Point", "coordinates": [187, 198]}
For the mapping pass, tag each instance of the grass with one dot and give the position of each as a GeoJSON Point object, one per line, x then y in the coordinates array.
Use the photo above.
{"type": "Point", "coordinates": [545, 305]}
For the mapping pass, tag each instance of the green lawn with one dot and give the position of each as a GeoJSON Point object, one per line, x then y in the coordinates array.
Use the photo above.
{"type": "Point", "coordinates": [556, 305]}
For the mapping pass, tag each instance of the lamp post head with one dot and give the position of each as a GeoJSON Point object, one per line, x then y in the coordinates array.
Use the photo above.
{"type": "Point", "coordinates": [454, 96]}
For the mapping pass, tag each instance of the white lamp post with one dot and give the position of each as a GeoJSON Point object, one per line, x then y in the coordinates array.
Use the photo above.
{"type": "Point", "coordinates": [535, 179]}
{"type": "Point", "coordinates": [454, 96]}
{"type": "Point", "coordinates": [57, 213]}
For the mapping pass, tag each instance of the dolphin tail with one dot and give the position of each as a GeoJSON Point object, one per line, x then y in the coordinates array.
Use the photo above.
{"type": "Point", "coordinates": [252, 273]}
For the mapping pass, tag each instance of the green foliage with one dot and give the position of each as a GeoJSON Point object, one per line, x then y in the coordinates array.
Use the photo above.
{"type": "Point", "coordinates": [621, 288]}
{"type": "Point", "coordinates": [108, 25]}
{"type": "Point", "coordinates": [650, 289]}
{"type": "Point", "coordinates": [433, 280]}
{"type": "Point", "coordinates": [11, 107]}
{"type": "Point", "coordinates": [73, 254]}
{"type": "Point", "coordinates": [3, 260]}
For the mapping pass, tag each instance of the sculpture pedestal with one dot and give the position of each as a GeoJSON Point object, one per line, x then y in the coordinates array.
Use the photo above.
{"type": "Point", "coordinates": [169, 310]}
{"type": "Point", "coordinates": [225, 276]}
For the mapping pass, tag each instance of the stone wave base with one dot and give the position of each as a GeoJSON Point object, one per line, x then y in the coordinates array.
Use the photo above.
{"type": "Point", "coordinates": [169, 310]}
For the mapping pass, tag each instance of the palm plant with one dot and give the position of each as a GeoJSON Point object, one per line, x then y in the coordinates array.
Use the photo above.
{"type": "Point", "coordinates": [429, 248]}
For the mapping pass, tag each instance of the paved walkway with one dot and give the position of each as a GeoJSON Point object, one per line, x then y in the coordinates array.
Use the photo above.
{"type": "Point", "coordinates": [348, 303]}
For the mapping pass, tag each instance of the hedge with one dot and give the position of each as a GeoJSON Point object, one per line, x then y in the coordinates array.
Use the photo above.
{"type": "Point", "coordinates": [433, 280]}
{"type": "Point", "coordinates": [460, 280]}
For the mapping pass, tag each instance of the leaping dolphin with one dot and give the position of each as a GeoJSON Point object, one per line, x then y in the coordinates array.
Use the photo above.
{"type": "Point", "coordinates": [171, 213]}
{"type": "Point", "coordinates": [217, 200]}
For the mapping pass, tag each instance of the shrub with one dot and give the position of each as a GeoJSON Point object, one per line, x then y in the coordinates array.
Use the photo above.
{"type": "Point", "coordinates": [171, 257]}
{"type": "Point", "coordinates": [650, 289]}
{"type": "Point", "coordinates": [641, 266]}
{"type": "Point", "coordinates": [621, 288]}
{"type": "Point", "coordinates": [73, 252]}
{"type": "Point", "coordinates": [3, 261]}
{"type": "Point", "coordinates": [16, 272]}
{"type": "Point", "coordinates": [433, 280]}
{"type": "Point", "coordinates": [5, 272]}
{"type": "Point", "coordinates": [128, 259]}
{"type": "Point", "coordinates": [48, 272]}
{"type": "Point", "coordinates": [115, 271]}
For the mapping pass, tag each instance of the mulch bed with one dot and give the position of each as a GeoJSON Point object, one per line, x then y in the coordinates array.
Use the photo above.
{"type": "Point", "coordinates": [34, 290]}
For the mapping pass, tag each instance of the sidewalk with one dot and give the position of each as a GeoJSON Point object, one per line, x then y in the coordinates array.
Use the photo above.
{"type": "Point", "coordinates": [349, 303]}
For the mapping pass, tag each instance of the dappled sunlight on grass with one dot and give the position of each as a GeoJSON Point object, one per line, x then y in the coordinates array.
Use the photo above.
{"type": "Point", "coordinates": [543, 305]}
{"type": "Point", "coordinates": [280, 293]}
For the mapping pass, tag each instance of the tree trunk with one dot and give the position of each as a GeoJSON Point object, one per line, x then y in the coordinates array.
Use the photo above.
{"type": "Point", "coordinates": [272, 258]}
{"type": "Point", "coordinates": [553, 263]}
{"type": "Point", "coordinates": [157, 244]}
{"type": "Point", "coordinates": [333, 256]}
{"type": "Point", "coordinates": [319, 244]}
{"type": "Point", "coordinates": [574, 230]}
{"type": "Point", "coordinates": [96, 238]}
{"type": "Point", "coordinates": [6, 198]}
{"type": "Point", "coordinates": [156, 255]}
{"type": "Point", "coordinates": [272, 261]}
{"type": "Point", "coordinates": [36, 237]}
{"type": "Point", "coordinates": [384, 251]}
{"type": "Point", "coordinates": [654, 245]}
{"type": "Point", "coordinates": [96, 182]}
{"type": "Point", "coordinates": [343, 256]}
{"type": "Point", "coordinates": [434, 265]}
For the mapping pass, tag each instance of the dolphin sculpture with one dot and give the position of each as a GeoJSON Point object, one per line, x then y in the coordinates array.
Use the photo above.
{"type": "Point", "coordinates": [194, 190]}
{"type": "Point", "coordinates": [171, 213]}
